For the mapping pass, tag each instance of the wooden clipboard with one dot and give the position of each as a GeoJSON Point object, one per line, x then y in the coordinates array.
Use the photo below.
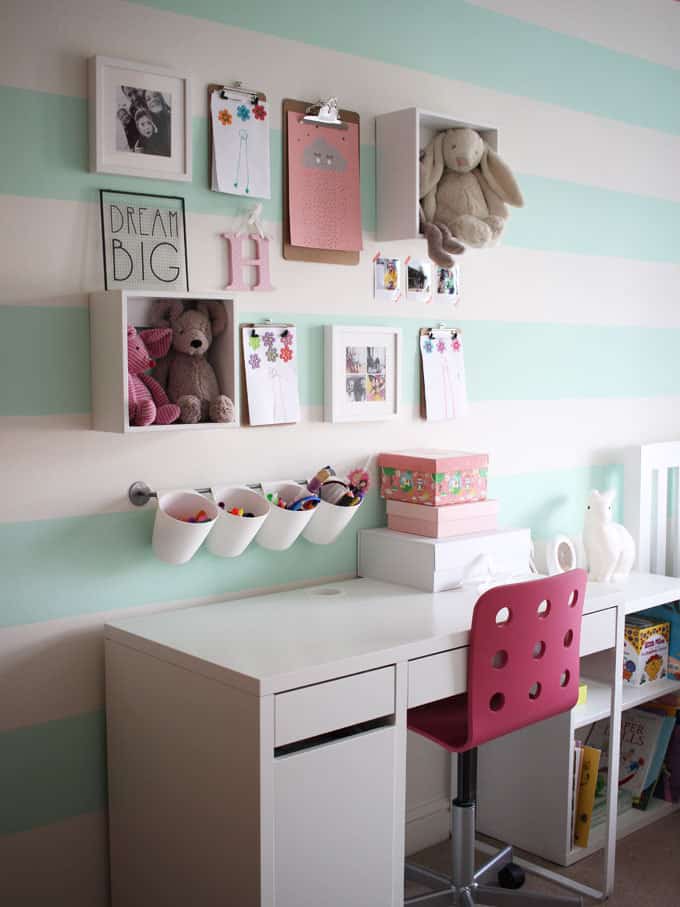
{"type": "Point", "coordinates": [237, 89]}
{"type": "Point", "coordinates": [304, 253]}
{"type": "Point", "coordinates": [256, 326]}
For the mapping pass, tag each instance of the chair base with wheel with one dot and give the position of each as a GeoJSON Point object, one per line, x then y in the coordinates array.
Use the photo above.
{"type": "Point", "coordinates": [523, 667]}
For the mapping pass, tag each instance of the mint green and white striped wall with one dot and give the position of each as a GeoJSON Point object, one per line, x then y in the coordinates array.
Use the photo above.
{"type": "Point", "coordinates": [571, 327]}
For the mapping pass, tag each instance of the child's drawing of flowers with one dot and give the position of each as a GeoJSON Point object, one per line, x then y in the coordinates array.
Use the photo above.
{"type": "Point", "coordinates": [259, 112]}
{"type": "Point", "coordinates": [286, 354]}
{"type": "Point", "coordinates": [224, 117]}
{"type": "Point", "coordinates": [242, 112]}
{"type": "Point", "coordinates": [254, 361]}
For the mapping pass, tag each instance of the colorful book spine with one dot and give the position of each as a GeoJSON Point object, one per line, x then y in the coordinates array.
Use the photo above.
{"type": "Point", "coordinates": [586, 795]}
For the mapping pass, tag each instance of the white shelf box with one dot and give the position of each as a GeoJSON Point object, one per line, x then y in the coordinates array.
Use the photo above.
{"type": "Point", "coordinates": [110, 313]}
{"type": "Point", "coordinates": [399, 138]}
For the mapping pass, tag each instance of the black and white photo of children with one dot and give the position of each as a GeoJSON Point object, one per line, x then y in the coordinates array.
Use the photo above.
{"type": "Point", "coordinates": [356, 389]}
{"type": "Point", "coordinates": [375, 359]}
{"type": "Point", "coordinates": [143, 121]}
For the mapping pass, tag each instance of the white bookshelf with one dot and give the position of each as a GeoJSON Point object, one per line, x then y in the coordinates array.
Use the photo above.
{"type": "Point", "coordinates": [628, 822]}
{"type": "Point", "coordinates": [598, 703]}
{"type": "Point", "coordinates": [399, 138]}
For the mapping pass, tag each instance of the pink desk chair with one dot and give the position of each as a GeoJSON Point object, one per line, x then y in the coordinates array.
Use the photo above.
{"type": "Point", "coordinates": [523, 667]}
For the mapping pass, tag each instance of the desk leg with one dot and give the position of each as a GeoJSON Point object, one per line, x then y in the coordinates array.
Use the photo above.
{"type": "Point", "coordinates": [399, 839]}
{"type": "Point", "coordinates": [614, 748]}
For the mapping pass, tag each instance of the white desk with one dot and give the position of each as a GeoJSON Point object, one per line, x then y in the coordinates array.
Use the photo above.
{"type": "Point", "coordinates": [222, 788]}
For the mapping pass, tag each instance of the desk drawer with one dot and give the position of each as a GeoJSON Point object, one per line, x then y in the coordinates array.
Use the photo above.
{"type": "Point", "coordinates": [334, 705]}
{"type": "Point", "coordinates": [437, 676]}
{"type": "Point", "coordinates": [598, 631]}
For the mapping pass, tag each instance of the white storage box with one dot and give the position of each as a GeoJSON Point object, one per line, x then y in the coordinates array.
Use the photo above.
{"type": "Point", "coordinates": [434, 565]}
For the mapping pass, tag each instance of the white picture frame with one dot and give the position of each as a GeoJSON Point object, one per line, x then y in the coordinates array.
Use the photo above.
{"type": "Point", "coordinates": [362, 373]}
{"type": "Point", "coordinates": [139, 120]}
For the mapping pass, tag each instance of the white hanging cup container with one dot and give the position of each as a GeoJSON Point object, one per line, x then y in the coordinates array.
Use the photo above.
{"type": "Point", "coordinates": [175, 540]}
{"type": "Point", "coordinates": [284, 526]}
{"type": "Point", "coordinates": [232, 534]}
{"type": "Point", "coordinates": [329, 521]}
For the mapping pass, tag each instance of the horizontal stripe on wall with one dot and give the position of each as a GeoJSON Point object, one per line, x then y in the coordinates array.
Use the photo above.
{"type": "Point", "coordinates": [64, 863]}
{"type": "Point", "coordinates": [47, 371]}
{"type": "Point", "coordinates": [504, 360]}
{"type": "Point", "coordinates": [559, 215]}
{"type": "Point", "coordinates": [51, 771]}
{"type": "Point", "coordinates": [562, 287]}
{"type": "Point", "coordinates": [521, 436]}
{"type": "Point", "coordinates": [104, 562]}
{"type": "Point", "coordinates": [459, 41]}
{"type": "Point", "coordinates": [35, 164]}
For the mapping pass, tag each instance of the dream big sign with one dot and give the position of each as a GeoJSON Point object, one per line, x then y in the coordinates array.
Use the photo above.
{"type": "Point", "coordinates": [144, 241]}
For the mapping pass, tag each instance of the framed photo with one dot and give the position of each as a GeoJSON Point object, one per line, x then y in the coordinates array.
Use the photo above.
{"type": "Point", "coordinates": [362, 381]}
{"type": "Point", "coordinates": [143, 241]}
{"type": "Point", "coordinates": [140, 120]}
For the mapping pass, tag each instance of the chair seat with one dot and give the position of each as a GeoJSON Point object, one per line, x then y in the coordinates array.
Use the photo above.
{"type": "Point", "coordinates": [445, 722]}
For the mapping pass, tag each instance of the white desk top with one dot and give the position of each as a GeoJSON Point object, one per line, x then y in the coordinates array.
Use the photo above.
{"type": "Point", "coordinates": [277, 642]}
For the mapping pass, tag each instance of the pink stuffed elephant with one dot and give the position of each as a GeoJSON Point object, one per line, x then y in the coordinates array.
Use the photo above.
{"type": "Point", "coordinates": [148, 403]}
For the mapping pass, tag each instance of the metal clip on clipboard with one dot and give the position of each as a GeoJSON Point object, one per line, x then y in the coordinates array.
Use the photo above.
{"type": "Point", "coordinates": [237, 88]}
{"type": "Point", "coordinates": [327, 114]}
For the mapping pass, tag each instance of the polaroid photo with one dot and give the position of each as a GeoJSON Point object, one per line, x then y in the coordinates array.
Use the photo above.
{"type": "Point", "coordinates": [418, 280]}
{"type": "Point", "coordinates": [387, 279]}
{"type": "Point", "coordinates": [448, 284]}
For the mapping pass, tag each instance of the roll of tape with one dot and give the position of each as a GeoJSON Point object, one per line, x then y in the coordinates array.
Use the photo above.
{"type": "Point", "coordinates": [556, 555]}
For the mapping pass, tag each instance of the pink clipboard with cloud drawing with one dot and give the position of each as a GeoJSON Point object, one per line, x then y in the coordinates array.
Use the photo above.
{"type": "Point", "coordinates": [324, 193]}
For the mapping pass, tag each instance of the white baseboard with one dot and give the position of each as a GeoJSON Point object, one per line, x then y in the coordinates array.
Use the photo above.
{"type": "Point", "coordinates": [427, 824]}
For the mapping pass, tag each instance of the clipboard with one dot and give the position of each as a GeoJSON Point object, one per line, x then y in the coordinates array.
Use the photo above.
{"type": "Point", "coordinates": [235, 90]}
{"type": "Point", "coordinates": [451, 333]}
{"type": "Point", "coordinates": [304, 253]}
{"type": "Point", "coordinates": [257, 329]}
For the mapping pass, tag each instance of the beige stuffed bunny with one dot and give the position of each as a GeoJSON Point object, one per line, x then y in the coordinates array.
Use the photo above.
{"type": "Point", "coordinates": [464, 186]}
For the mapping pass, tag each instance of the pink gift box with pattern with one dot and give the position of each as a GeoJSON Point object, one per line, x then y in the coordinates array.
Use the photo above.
{"type": "Point", "coordinates": [434, 477]}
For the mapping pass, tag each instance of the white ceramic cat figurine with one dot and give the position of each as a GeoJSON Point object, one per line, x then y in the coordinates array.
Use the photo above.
{"type": "Point", "coordinates": [610, 548]}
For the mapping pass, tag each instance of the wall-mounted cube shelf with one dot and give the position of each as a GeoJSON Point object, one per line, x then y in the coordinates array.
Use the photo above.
{"type": "Point", "coordinates": [399, 138]}
{"type": "Point", "coordinates": [110, 313]}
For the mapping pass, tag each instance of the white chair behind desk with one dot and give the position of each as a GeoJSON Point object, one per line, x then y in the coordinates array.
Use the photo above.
{"type": "Point", "coordinates": [652, 505]}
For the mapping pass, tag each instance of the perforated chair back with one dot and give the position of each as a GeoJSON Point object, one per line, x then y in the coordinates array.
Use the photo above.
{"type": "Point", "coordinates": [524, 654]}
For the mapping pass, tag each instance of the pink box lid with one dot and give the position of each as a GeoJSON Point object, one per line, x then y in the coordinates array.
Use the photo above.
{"type": "Point", "coordinates": [432, 460]}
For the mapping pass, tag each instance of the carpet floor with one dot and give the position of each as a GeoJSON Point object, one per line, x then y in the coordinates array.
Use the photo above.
{"type": "Point", "coordinates": [647, 868]}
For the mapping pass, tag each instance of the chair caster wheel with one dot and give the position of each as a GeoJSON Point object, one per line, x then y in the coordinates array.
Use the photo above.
{"type": "Point", "coordinates": [511, 876]}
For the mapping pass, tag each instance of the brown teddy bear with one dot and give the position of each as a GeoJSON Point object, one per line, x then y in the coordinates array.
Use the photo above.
{"type": "Point", "coordinates": [186, 373]}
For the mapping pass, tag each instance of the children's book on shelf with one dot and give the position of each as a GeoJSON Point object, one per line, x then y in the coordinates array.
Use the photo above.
{"type": "Point", "coordinates": [669, 613]}
{"type": "Point", "coordinates": [576, 774]}
{"type": "Point", "coordinates": [643, 743]}
{"type": "Point", "coordinates": [585, 799]}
